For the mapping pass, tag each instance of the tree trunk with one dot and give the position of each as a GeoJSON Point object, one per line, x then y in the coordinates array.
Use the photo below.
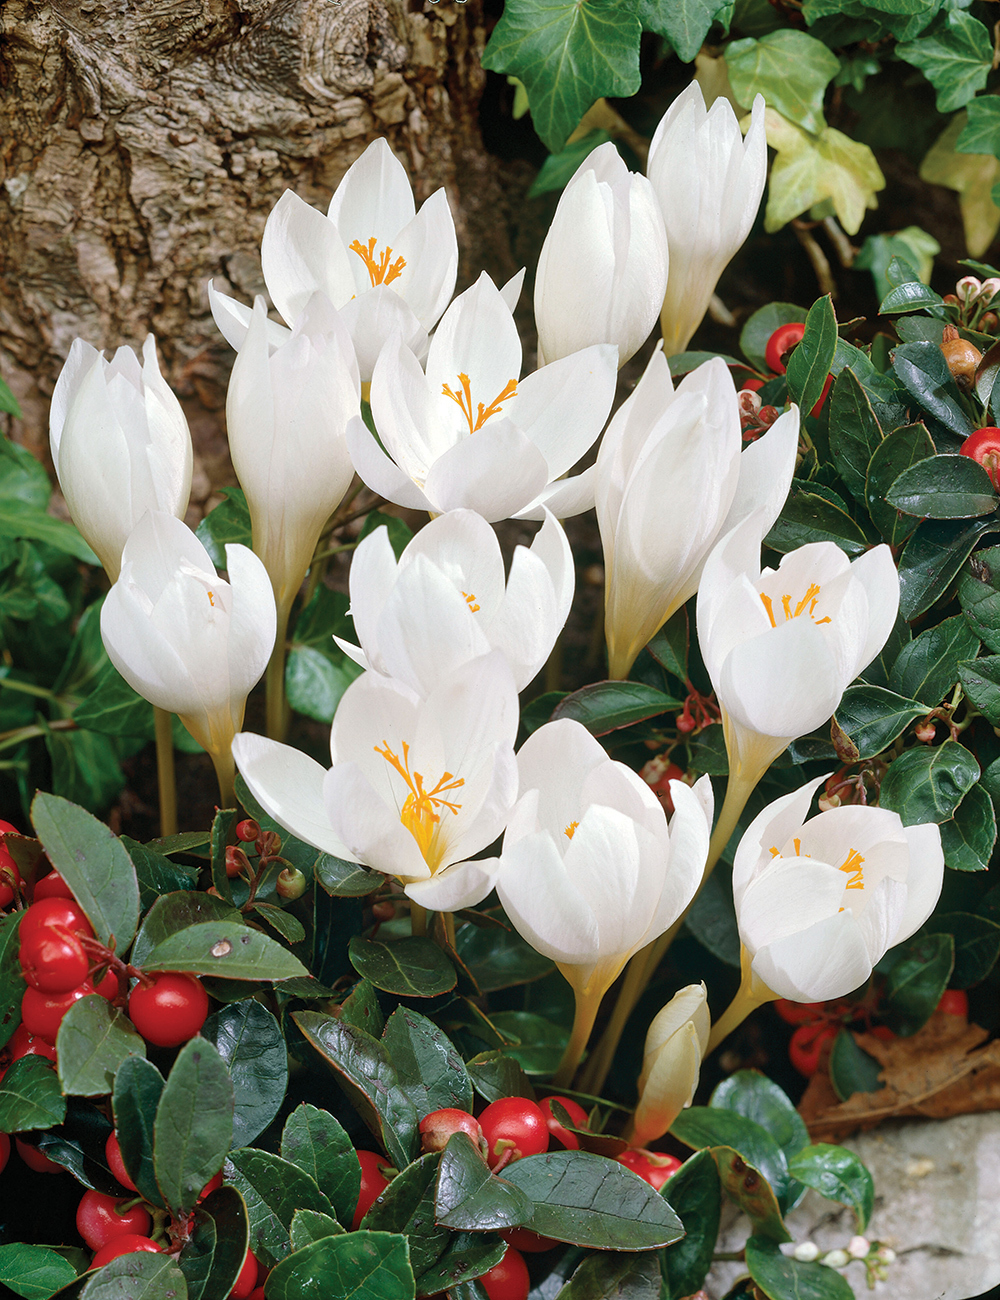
{"type": "Point", "coordinates": [143, 143]}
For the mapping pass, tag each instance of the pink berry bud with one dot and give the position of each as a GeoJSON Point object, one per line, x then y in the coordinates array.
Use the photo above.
{"type": "Point", "coordinates": [968, 288]}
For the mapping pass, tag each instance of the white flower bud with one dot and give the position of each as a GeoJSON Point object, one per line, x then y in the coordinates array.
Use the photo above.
{"type": "Point", "coordinates": [858, 1247]}
{"type": "Point", "coordinates": [806, 1251]}
{"type": "Point", "coordinates": [836, 1258]}
{"type": "Point", "coordinates": [886, 1254]}
{"type": "Point", "coordinates": [968, 288]}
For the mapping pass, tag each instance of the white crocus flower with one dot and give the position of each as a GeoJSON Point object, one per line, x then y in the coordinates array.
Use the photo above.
{"type": "Point", "coordinates": [602, 272]}
{"type": "Point", "coordinates": [454, 567]}
{"type": "Point", "coordinates": [672, 479]}
{"type": "Point", "coordinates": [781, 646]}
{"type": "Point", "coordinates": [469, 432]}
{"type": "Point", "coordinates": [590, 872]}
{"type": "Point", "coordinates": [287, 412]}
{"type": "Point", "coordinates": [184, 638]}
{"type": "Point", "coordinates": [709, 182]}
{"type": "Point", "coordinates": [671, 1064]}
{"type": "Point", "coordinates": [820, 901]}
{"type": "Point", "coordinates": [416, 786]}
{"type": "Point", "coordinates": [120, 445]}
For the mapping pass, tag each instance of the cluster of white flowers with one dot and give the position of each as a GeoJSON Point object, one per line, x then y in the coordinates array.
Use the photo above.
{"type": "Point", "coordinates": [423, 773]}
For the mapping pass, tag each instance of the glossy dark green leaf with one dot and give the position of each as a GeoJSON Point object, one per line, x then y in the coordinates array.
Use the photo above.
{"type": "Point", "coordinates": [225, 950]}
{"type": "Point", "coordinates": [228, 522]}
{"type": "Point", "coordinates": [977, 945]}
{"type": "Point", "coordinates": [911, 295]}
{"type": "Point", "coordinates": [78, 1144]}
{"type": "Point", "coordinates": [695, 1194]}
{"type": "Point", "coordinates": [315, 1141]}
{"type": "Point", "coordinates": [539, 711]}
{"type": "Point", "coordinates": [933, 557]}
{"type": "Point", "coordinates": [839, 1175]}
{"type": "Point", "coordinates": [428, 1067]}
{"type": "Point", "coordinates": [309, 1226]}
{"type": "Point", "coordinates": [747, 1187]}
{"type": "Point", "coordinates": [499, 959]}
{"type": "Point", "coordinates": [315, 680]}
{"type": "Point", "coordinates": [194, 1124]}
{"type": "Point", "coordinates": [198, 1252]}
{"type": "Point", "coordinates": [11, 979]}
{"type": "Point", "coordinates": [669, 647]}
{"type": "Point", "coordinates": [927, 668]}
{"type": "Point", "coordinates": [811, 360]}
{"type": "Point", "coordinates": [898, 450]}
{"type": "Point", "coordinates": [413, 967]}
{"type": "Point", "coordinates": [345, 879]}
{"type": "Point", "coordinates": [808, 517]}
{"type": "Point", "coordinates": [852, 1069]}
{"type": "Point", "coordinates": [156, 873]}
{"type": "Point", "coordinates": [469, 1197]}
{"type": "Point", "coordinates": [607, 706]}
{"type": "Point", "coordinates": [273, 1190]}
{"type": "Point", "coordinates": [535, 1042]}
{"type": "Point", "coordinates": [227, 1210]}
{"type": "Point", "coordinates": [174, 913]}
{"type": "Point", "coordinates": [969, 838]}
{"type": "Point", "coordinates": [497, 1074]}
{"type": "Point", "coordinates": [361, 1009]}
{"type": "Point", "coordinates": [143, 1276]}
{"type": "Point", "coordinates": [407, 1206]}
{"type": "Point", "coordinates": [249, 1039]}
{"type": "Point", "coordinates": [927, 784]}
{"type": "Point", "coordinates": [93, 862]}
{"type": "Point", "coordinates": [761, 325]}
{"type": "Point", "coordinates": [782, 1277]}
{"type": "Point", "coordinates": [756, 1097]}
{"type": "Point", "coordinates": [603, 1276]}
{"type": "Point", "coordinates": [221, 835]}
{"type": "Point", "coordinates": [592, 1201]}
{"type": "Point", "coordinates": [979, 595]}
{"type": "Point", "coordinates": [943, 487]}
{"type": "Point", "coordinates": [94, 1039]}
{"type": "Point", "coordinates": [137, 1091]}
{"type": "Point", "coordinates": [873, 717]}
{"type": "Point", "coordinates": [980, 679]}
{"type": "Point", "coordinates": [355, 1266]}
{"type": "Point", "coordinates": [915, 983]}
{"type": "Point", "coordinates": [400, 533]}
{"type": "Point", "coordinates": [707, 1126]}
{"type": "Point", "coordinates": [365, 1063]}
{"type": "Point", "coordinates": [855, 434]}
{"type": "Point", "coordinates": [34, 1272]}
{"type": "Point", "coordinates": [289, 927]}
{"type": "Point", "coordinates": [557, 168]}
{"type": "Point", "coordinates": [923, 371]}
{"type": "Point", "coordinates": [469, 1256]}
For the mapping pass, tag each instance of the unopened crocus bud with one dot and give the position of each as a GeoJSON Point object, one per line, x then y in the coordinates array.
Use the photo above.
{"type": "Point", "coordinates": [806, 1252]}
{"type": "Point", "coordinates": [836, 1258]}
{"type": "Point", "coordinates": [858, 1247]}
{"type": "Point", "coordinates": [675, 1043]}
{"type": "Point", "coordinates": [291, 883]}
{"type": "Point", "coordinates": [967, 288]}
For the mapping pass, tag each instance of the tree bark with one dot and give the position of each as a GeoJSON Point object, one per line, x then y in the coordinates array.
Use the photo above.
{"type": "Point", "coordinates": [143, 143]}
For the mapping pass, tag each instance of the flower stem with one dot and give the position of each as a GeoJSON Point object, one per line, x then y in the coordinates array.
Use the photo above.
{"type": "Point", "coordinates": [587, 1005]}
{"type": "Point", "coordinates": [225, 771]}
{"type": "Point", "coordinates": [418, 919]}
{"type": "Point", "coordinates": [751, 994]}
{"type": "Point", "coordinates": [448, 921]}
{"type": "Point", "coordinates": [166, 783]}
{"type": "Point", "coordinates": [274, 680]}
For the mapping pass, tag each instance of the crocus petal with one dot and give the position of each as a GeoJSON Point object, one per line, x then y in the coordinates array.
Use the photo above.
{"type": "Point", "coordinates": [462, 885]}
{"type": "Point", "coordinates": [378, 472]}
{"type": "Point", "coordinates": [301, 253]}
{"type": "Point", "coordinates": [543, 903]}
{"type": "Point", "coordinates": [824, 961]}
{"type": "Point", "coordinates": [496, 472]}
{"type": "Point", "coordinates": [233, 320]}
{"type": "Point", "coordinates": [564, 498]}
{"type": "Point", "coordinates": [925, 878]}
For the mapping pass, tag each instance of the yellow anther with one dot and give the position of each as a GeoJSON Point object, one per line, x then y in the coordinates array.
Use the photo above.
{"type": "Point", "coordinates": [382, 271]}
{"type": "Point", "coordinates": [211, 600]}
{"type": "Point", "coordinates": [570, 830]}
{"type": "Point", "coordinates": [852, 866]}
{"type": "Point", "coordinates": [483, 413]}
{"type": "Point", "coordinates": [470, 600]}
{"type": "Point", "coordinates": [420, 813]}
{"type": "Point", "coordinates": [810, 599]}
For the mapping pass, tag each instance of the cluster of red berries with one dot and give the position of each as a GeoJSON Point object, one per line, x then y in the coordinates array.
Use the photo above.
{"type": "Point", "coordinates": [507, 1130]}
{"type": "Point", "coordinates": [783, 341]}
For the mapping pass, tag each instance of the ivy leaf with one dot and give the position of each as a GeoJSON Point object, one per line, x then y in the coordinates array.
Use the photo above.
{"type": "Point", "coordinates": [685, 23]}
{"type": "Point", "coordinates": [811, 169]}
{"type": "Point", "coordinates": [981, 133]}
{"type": "Point", "coordinates": [974, 176]}
{"type": "Point", "coordinates": [955, 59]}
{"type": "Point", "coordinates": [789, 68]}
{"type": "Point", "coordinates": [568, 53]}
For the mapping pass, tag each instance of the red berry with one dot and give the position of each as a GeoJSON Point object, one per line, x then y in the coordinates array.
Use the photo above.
{"type": "Point", "coordinates": [799, 1013]}
{"type": "Point", "coordinates": [51, 886]}
{"type": "Point", "coordinates": [63, 913]}
{"type": "Point", "coordinates": [576, 1113]}
{"type": "Point", "coordinates": [373, 1183]}
{"type": "Point", "coordinates": [651, 1166]}
{"type": "Point", "coordinates": [514, 1125]}
{"type": "Point", "coordinates": [53, 959]}
{"type": "Point", "coordinates": [781, 342]}
{"type": "Point", "coordinates": [984, 447]}
{"type": "Point", "coordinates": [524, 1240]}
{"type": "Point", "coordinates": [883, 1033]}
{"type": "Point", "coordinates": [113, 1155]}
{"type": "Point", "coordinates": [954, 1002]}
{"type": "Point", "coordinates": [509, 1279]}
{"type": "Point", "coordinates": [4, 1150]}
{"type": "Point", "coordinates": [24, 1043]}
{"type": "Point", "coordinates": [246, 1280]}
{"type": "Point", "coordinates": [98, 1220]}
{"type": "Point", "coordinates": [127, 1244]}
{"type": "Point", "coordinates": [806, 1045]}
{"type": "Point", "coordinates": [35, 1159]}
{"type": "Point", "coordinates": [211, 1186]}
{"type": "Point", "coordinates": [247, 830]}
{"type": "Point", "coordinates": [256, 1294]}
{"type": "Point", "coordinates": [8, 867]}
{"type": "Point", "coordinates": [752, 385]}
{"type": "Point", "coordinates": [42, 1013]}
{"type": "Point", "coordinates": [170, 1010]}
{"type": "Point", "coordinates": [437, 1127]}
{"type": "Point", "coordinates": [107, 986]}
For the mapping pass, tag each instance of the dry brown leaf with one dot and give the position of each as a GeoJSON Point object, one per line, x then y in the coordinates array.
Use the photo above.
{"type": "Point", "coordinates": [937, 1072]}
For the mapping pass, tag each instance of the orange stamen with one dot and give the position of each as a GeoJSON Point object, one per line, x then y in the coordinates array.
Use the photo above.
{"type": "Point", "coordinates": [570, 830]}
{"type": "Point", "coordinates": [382, 271]}
{"type": "Point", "coordinates": [852, 866]}
{"type": "Point", "coordinates": [420, 813]}
{"type": "Point", "coordinates": [470, 600]}
{"type": "Point", "coordinates": [483, 413]}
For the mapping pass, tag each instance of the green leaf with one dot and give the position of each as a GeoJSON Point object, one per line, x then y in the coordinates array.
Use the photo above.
{"type": "Point", "coordinates": [943, 487]}
{"type": "Point", "coordinates": [468, 1255]}
{"type": "Point", "coordinates": [499, 959]}
{"type": "Point", "coordinates": [226, 1211]}
{"type": "Point", "coordinates": [93, 862]}
{"type": "Point", "coordinates": [854, 432]}
{"type": "Point", "coordinates": [35, 1272]}
{"type": "Point", "coordinates": [968, 839]}
{"type": "Point", "coordinates": [20, 520]}
{"type": "Point", "coordinates": [923, 371]}
{"type": "Point", "coordinates": [852, 1069]}
{"type": "Point", "coordinates": [558, 168]}
{"type": "Point", "coordinates": [980, 679]}
{"type": "Point", "coordinates": [249, 1039]}
{"type": "Point", "coordinates": [830, 169]}
{"type": "Point", "coordinates": [755, 1097]}
{"type": "Point", "coordinates": [979, 596]}
{"type": "Point", "coordinates": [761, 325]}
{"type": "Point", "coordinates": [568, 53]}
{"type": "Point", "coordinates": [927, 785]}
{"type": "Point", "coordinates": [471, 1198]}
{"type": "Point", "coordinates": [592, 1201]}
{"type": "Point", "coordinates": [807, 517]}
{"type": "Point", "coordinates": [413, 967]}
{"type": "Point", "coordinates": [955, 59]}
{"type": "Point", "coordinates": [226, 950]}
{"type": "Point", "coordinates": [839, 1175]}
{"type": "Point", "coordinates": [317, 1143]}
{"type": "Point", "coordinates": [273, 1190]}
{"type": "Point", "coordinates": [911, 295]}
{"type": "Point", "coordinates": [194, 1124]}
{"type": "Point", "coordinates": [361, 1009]}
{"type": "Point", "coordinates": [155, 872]}
{"type": "Point", "coordinates": [789, 68]}
{"type": "Point", "coordinates": [172, 914]}
{"type": "Point", "coordinates": [928, 667]}
{"type": "Point", "coordinates": [873, 717]}
{"type": "Point", "coordinates": [497, 1074]}
{"type": "Point", "coordinates": [707, 1126]}
{"type": "Point", "coordinates": [695, 1194]}
{"type": "Point", "coordinates": [400, 533]}
{"type": "Point", "coordinates": [143, 1276]}
{"type": "Point", "coordinates": [536, 1043]}
{"type": "Point", "coordinates": [356, 1266]}
{"type": "Point", "coordinates": [606, 706]}
{"type": "Point", "coordinates": [782, 1277]}
{"type": "Point", "coordinates": [315, 680]}
{"type": "Point", "coordinates": [685, 23]}
{"type": "Point", "coordinates": [228, 522]}
{"type": "Point", "coordinates": [748, 1189]}
{"type": "Point", "coordinates": [343, 879]}
{"type": "Point", "coordinates": [977, 945]}
{"type": "Point", "coordinates": [610, 1275]}
{"type": "Point", "coordinates": [309, 1226]}
{"type": "Point", "coordinates": [933, 557]}
{"type": "Point", "coordinates": [94, 1039]}
{"type": "Point", "coordinates": [137, 1090]}
{"type": "Point", "coordinates": [810, 362]}
{"type": "Point", "coordinates": [8, 402]}
{"type": "Point", "coordinates": [669, 647]}
{"type": "Point", "coordinates": [365, 1063]}
{"type": "Point", "coordinates": [30, 1096]}
{"type": "Point", "coordinates": [981, 133]}
{"type": "Point", "coordinates": [11, 979]}
{"type": "Point", "coordinates": [712, 918]}
{"type": "Point", "coordinates": [916, 981]}
{"type": "Point", "coordinates": [427, 1065]}
{"type": "Point", "coordinates": [288, 926]}
{"type": "Point", "coordinates": [899, 449]}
